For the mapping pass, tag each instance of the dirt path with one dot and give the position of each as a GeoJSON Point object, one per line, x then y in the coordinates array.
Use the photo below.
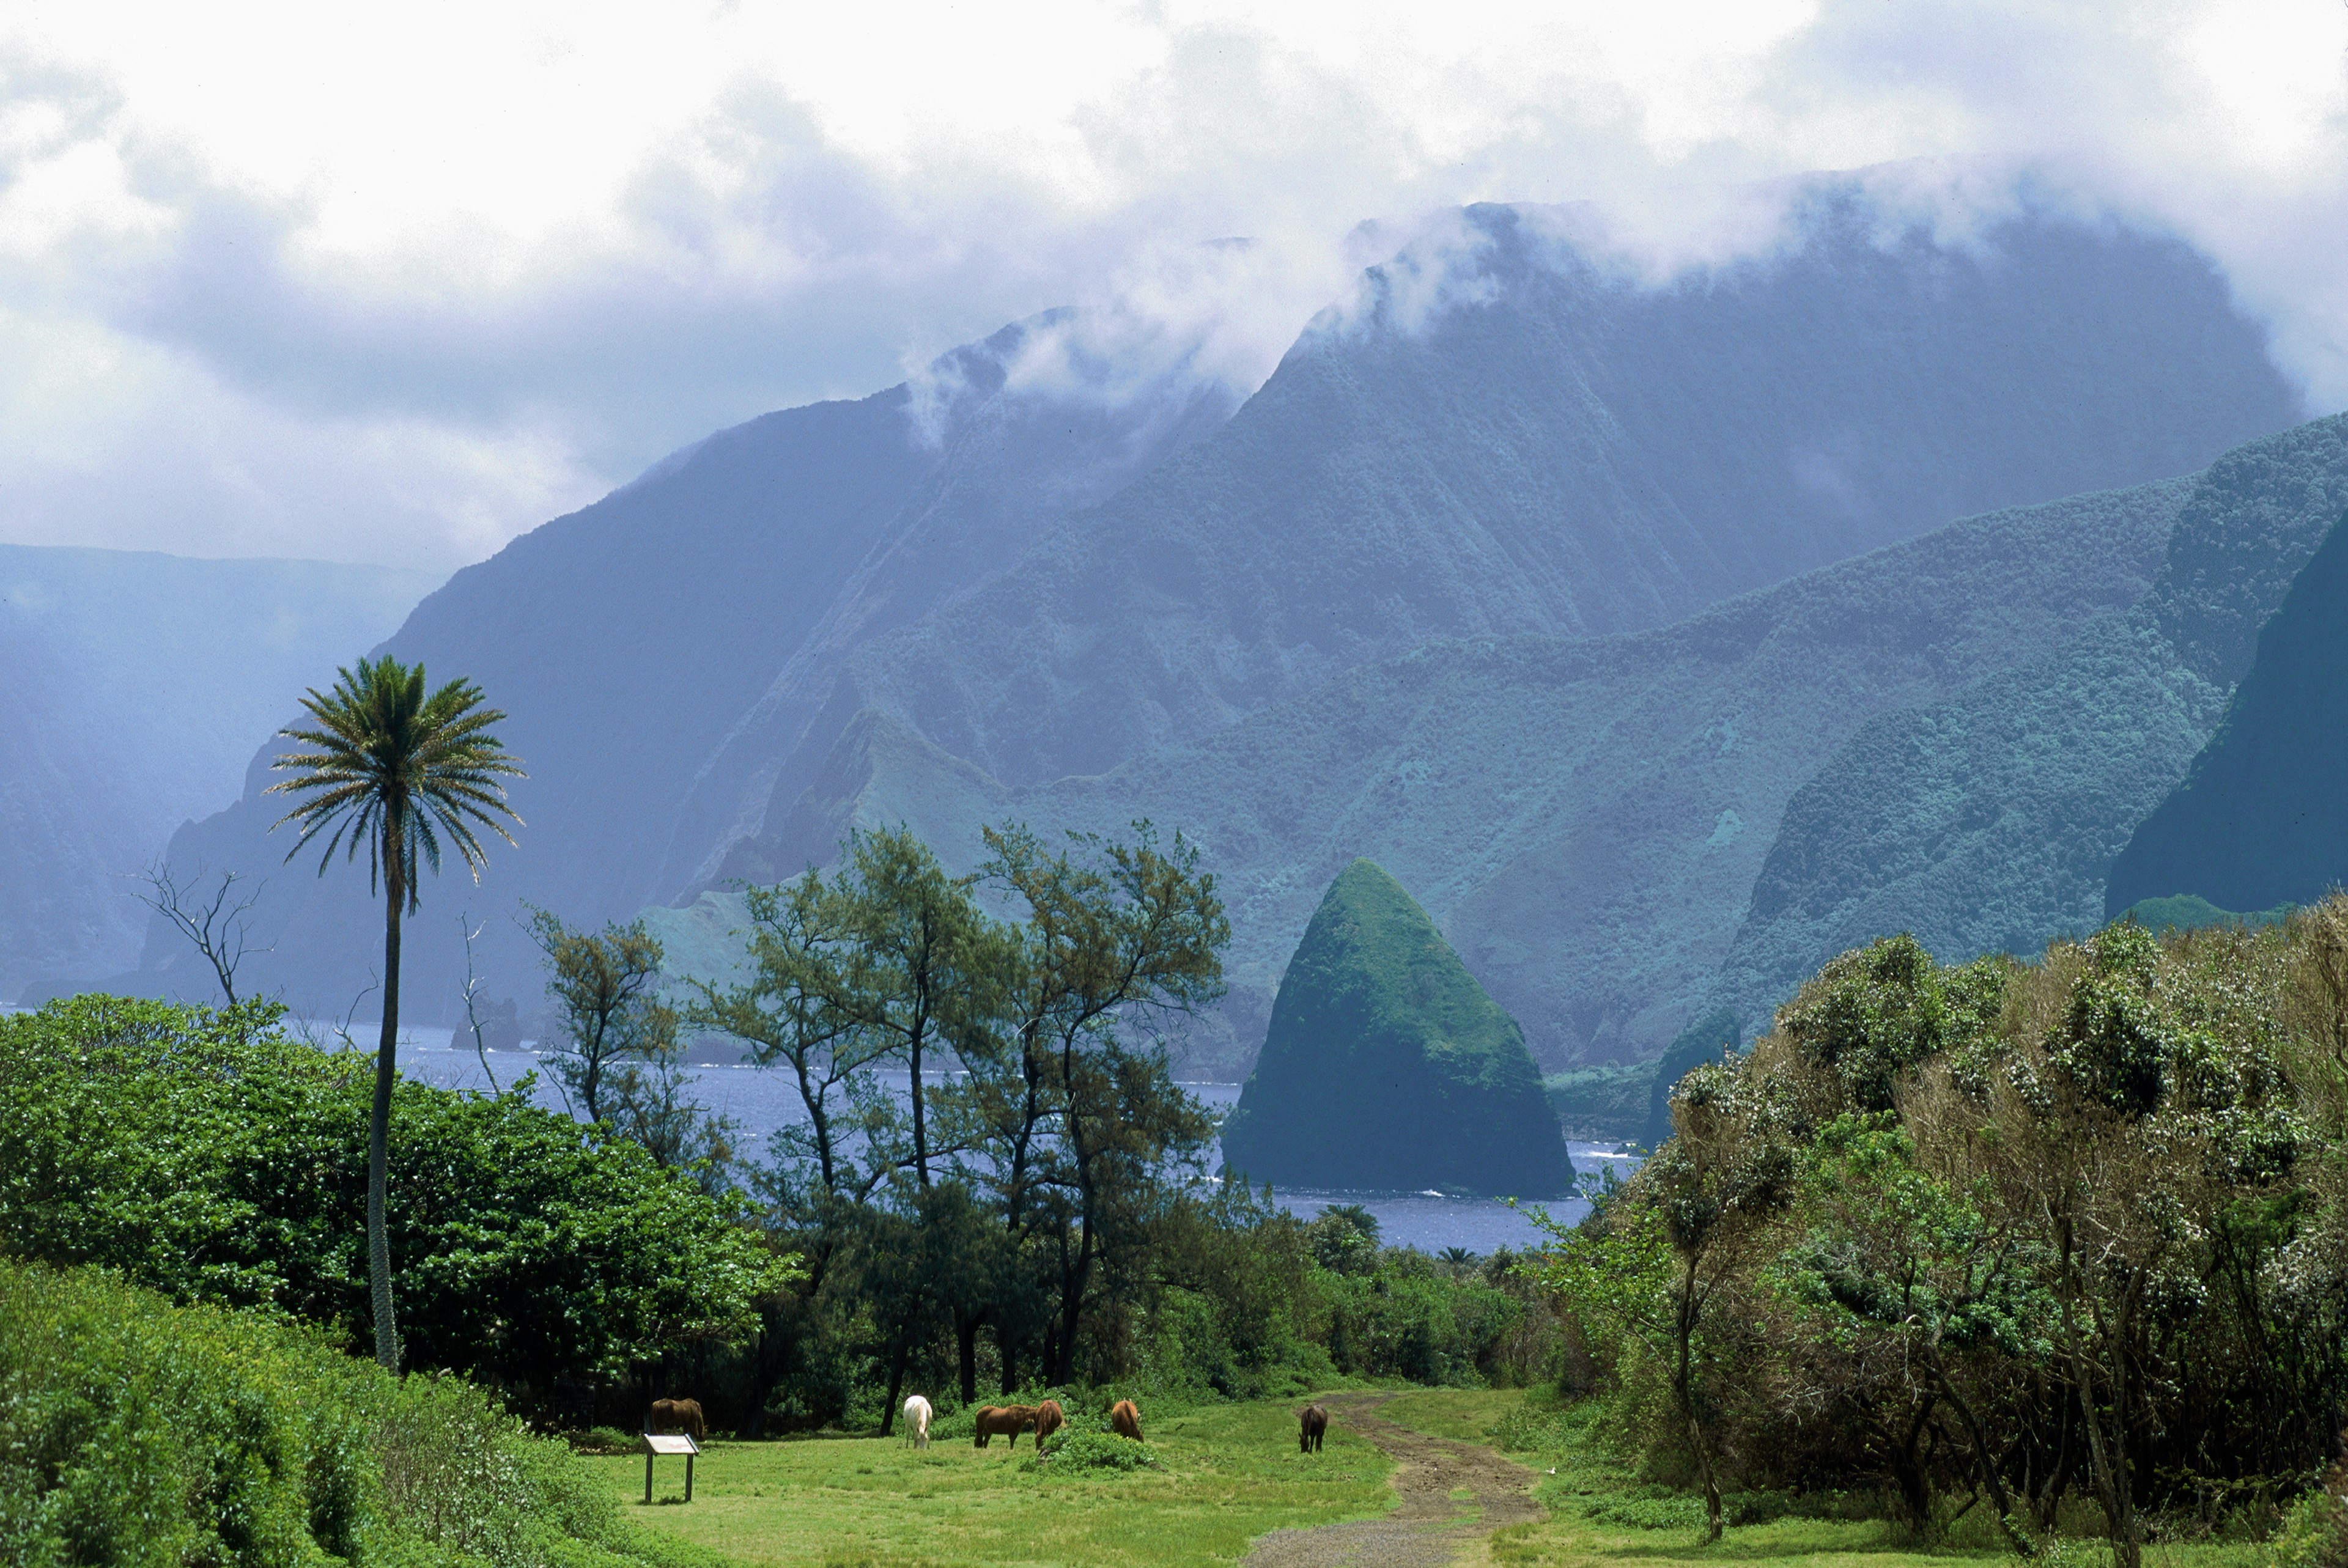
{"type": "Point", "coordinates": [1431, 1526]}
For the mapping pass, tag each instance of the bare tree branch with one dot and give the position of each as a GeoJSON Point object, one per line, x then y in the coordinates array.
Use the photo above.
{"type": "Point", "coordinates": [472, 999]}
{"type": "Point", "coordinates": [215, 925]}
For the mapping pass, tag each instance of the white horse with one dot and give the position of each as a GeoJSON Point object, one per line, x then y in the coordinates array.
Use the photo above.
{"type": "Point", "coordinates": [917, 1421]}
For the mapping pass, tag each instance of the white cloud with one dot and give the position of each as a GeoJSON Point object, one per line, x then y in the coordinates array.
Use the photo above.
{"type": "Point", "coordinates": [398, 283]}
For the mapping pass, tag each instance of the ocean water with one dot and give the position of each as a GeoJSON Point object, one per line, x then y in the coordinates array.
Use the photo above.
{"type": "Point", "coordinates": [760, 1101]}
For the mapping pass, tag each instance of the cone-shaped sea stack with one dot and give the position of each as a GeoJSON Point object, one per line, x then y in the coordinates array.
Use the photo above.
{"type": "Point", "coordinates": [1386, 1066]}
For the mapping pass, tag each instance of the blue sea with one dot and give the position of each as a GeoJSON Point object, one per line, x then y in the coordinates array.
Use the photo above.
{"type": "Point", "coordinates": [760, 1100]}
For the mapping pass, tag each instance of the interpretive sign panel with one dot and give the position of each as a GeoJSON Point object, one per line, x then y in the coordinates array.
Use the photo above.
{"type": "Point", "coordinates": [669, 1443]}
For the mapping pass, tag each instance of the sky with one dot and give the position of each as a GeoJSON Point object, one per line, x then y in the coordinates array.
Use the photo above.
{"type": "Point", "coordinates": [395, 283]}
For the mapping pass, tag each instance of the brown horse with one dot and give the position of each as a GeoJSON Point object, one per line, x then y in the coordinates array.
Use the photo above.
{"type": "Point", "coordinates": [1049, 1418]}
{"type": "Point", "coordinates": [1009, 1420]}
{"type": "Point", "coordinates": [1124, 1420]}
{"type": "Point", "coordinates": [1311, 1422]}
{"type": "Point", "coordinates": [680, 1416]}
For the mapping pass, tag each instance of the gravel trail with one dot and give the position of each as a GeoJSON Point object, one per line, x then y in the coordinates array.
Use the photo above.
{"type": "Point", "coordinates": [1430, 1527]}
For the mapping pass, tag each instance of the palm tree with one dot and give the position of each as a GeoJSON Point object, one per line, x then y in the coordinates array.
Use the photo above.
{"type": "Point", "coordinates": [1364, 1223]}
{"type": "Point", "coordinates": [398, 771]}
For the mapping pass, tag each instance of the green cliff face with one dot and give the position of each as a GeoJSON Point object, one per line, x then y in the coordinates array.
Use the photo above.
{"type": "Point", "coordinates": [1386, 1066]}
{"type": "Point", "coordinates": [2259, 820]}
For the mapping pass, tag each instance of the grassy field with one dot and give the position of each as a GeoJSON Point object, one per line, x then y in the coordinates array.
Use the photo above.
{"type": "Point", "coordinates": [1231, 1472]}
{"type": "Point", "coordinates": [1599, 1514]}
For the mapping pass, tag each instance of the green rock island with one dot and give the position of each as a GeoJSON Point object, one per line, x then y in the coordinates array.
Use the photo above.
{"type": "Point", "coordinates": [1387, 1068]}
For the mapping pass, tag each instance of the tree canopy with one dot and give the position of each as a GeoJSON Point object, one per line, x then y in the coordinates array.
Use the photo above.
{"type": "Point", "coordinates": [214, 1158]}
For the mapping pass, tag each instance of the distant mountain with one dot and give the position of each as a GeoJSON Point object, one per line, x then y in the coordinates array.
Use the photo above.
{"type": "Point", "coordinates": [1990, 820]}
{"type": "Point", "coordinates": [1583, 817]}
{"type": "Point", "coordinates": [1388, 1067]}
{"type": "Point", "coordinates": [959, 591]}
{"type": "Point", "coordinates": [132, 687]}
{"type": "Point", "coordinates": [628, 640]}
{"type": "Point", "coordinates": [2261, 818]}
{"type": "Point", "coordinates": [1562, 451]}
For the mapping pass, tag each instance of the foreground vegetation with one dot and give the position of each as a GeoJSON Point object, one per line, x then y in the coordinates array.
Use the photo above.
{"type": "Point", "coordinates": [1027, 1209]}
{"type": "Point", "coordinates": [1603, 1509]}
{"type": "Point", "coordinates": [1977, 1259]}
{"type": "Point", "coordinates": [135, 1431]}
{"type": "Point", "coordinates": [2017, 1234]}
{"type": "Point", "coordinates": [213, 1158]}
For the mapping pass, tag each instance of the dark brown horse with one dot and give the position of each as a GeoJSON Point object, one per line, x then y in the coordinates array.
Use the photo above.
{"type": "Point", "coordinates": [1008, 1420]}
{"type": "Point", "coordinates": [680, 1416]}
{"type": "Point", "coordinates": [1049, 1418]}
{"type": "Point", "coordinates": [1124, 1420]}
{"type": "Point", "coordinates": [1311, 1422]}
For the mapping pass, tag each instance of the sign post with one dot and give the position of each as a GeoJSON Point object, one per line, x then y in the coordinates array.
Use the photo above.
{"type": "Point", "coordinates": [669, 1443]}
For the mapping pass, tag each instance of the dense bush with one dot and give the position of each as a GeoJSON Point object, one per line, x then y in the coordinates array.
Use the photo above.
{"type": "Point", "coordinates": [209, 1155]}
{"type": "Point", "coordinates": [135, 1431]}
{"type": "Point", "coordinates": [1406, 1320]}
{"type": "Point", "coordinates": [1070, 1449]}
{"type": "Point", "coordinates": [2024, 1233]}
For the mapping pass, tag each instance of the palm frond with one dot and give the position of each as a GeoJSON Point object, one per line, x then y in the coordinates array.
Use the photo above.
{"type": "Point", "coordinates": [386, 761]}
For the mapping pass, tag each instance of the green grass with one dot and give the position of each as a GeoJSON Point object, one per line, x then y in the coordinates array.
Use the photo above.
{"type": "Point", "coordinates": [1469, 1415]}
{"type": "Point", "coordinates": [1230, 1473]}
{"type": "Point", "coordinates": [1600, 1514]}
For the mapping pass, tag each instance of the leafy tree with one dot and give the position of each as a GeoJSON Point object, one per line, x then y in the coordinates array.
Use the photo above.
{"type": "Point", "coordinates": [2150, 1104]}
{"type": "Point", "coordinates": [398, 771]}
{"type": "Point", "coordinates": [1876, 1013]}
{"type": "Point", "coordinates": [654, 1106]}
{"type": "Point", "coordinates": [922, 961]}
{"type": "Point", "coordinates": [1658, 1261]}
{"type": "Point", "coordinates": [606, 986]}
{"type": "Point", "coordinates": [886, 960]}
{"type": "Point", "coordinates": [797, 1013]}
{"type": "Point", "coordinates": [1346, 1238]}
{"type": "Point", "coordinates": [1910, 1273]}
{"type": "Point", "coordinates": [211, 1157]}
{"type": "Point", "coordinates": [1118, 937]}
{"type": "Point", "coordinates": [2077, 1222]}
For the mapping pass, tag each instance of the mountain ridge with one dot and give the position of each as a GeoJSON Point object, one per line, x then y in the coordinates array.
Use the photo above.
{"type": "Point", "coordinates": [2255, 820]}
{"type": "Point", "coordinates": [1499, 776]}
{"type": "Point", "coordinates": [1990, 821]}
{"type": "Point", "coordinates": [1328, 570]}
{"type": "Point", "coordinates": [683, 660]}
{"type": "Point", "coordinates": [131, 683]}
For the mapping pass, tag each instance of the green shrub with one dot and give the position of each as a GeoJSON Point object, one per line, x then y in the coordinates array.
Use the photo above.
{"type": "Point", "coordinates": [134, 1431]}
{"type": "Point", "coordinates": [1070, 1449]}
{"type": "Point", "coordinates": [1535, 1425]}
{"type": "Point", "coordinates": [1649, 1507]}
{"type": "Point", "coordinates": [207, 1155]}
{"type": "Point", "coordinates": [2314, 1530]}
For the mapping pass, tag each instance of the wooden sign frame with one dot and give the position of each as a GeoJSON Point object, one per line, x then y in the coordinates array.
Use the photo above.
{"type": "Point", "coordinates": [657, 1443]}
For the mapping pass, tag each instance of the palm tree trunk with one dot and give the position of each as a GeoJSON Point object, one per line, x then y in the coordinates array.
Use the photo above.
{"type": "Point", "coordinates": [387, 1332]}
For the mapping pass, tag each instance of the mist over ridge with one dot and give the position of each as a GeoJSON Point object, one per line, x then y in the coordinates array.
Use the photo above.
{"type": "Point", "coordinates": [799, 625]}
